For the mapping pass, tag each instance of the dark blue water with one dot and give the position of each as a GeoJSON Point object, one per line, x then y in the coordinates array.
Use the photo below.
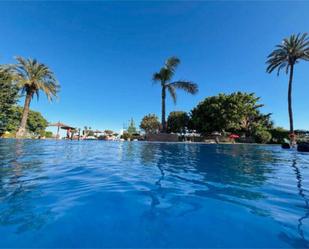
{"type": "Point", "coordinates": [136, 194]}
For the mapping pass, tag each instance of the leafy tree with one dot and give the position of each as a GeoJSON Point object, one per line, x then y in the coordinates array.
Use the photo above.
{"type": "Point", "coordinates": [36, 123]}
{"type": "Point", "coordinates": [177, 121]}
{"type": "Point", "coordinates": [262, 136]}
{"type": "Point", "coordinates": [164, 76]}
{"type": "Point", "coordinates": [211, 115]}
{"type": "Point", "coordinates": [32, 77]}
{"type": "Point", "coordinates": [150, 123]}
{"type": "Point", "coordinates": [8, 98]}
{"type": "Point", "coordinates": [285, 56]}
{"type": "Point", "coordinates": [234, 112]}
{"type": "Point", "coordinates": [132, 128]}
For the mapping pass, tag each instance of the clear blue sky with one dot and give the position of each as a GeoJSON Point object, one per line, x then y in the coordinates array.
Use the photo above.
{"type": "Point", "coordinates": [104, 54]}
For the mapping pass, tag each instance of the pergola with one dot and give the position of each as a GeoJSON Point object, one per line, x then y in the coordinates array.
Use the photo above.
{"type": "Point", "coordinates": [61, 126]}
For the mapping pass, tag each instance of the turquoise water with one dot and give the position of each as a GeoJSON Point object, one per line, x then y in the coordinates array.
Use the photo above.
{"type": "Point", "coordinates": [158, 195]}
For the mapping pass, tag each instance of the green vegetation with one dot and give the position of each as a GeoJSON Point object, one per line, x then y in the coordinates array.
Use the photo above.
{"type": "Point", "coordinates": [32, 77]}
{"type": "Point", "coordinates": [237, 112]}
{"type": "Point", "coordinates": [262, 136]}
{"type": "Point", "coordinates": [132, 129]}
{"type": "Point", "coordinates": [48, 134]}
{"type": "Point", "coordinates": [126, 136]}
{"type": "Point", "coordinates": [150, 123]}
{"type": "Point", "coordinates": [278, 135]}
{"type": "Point", "coordinates": [8, 98]}
{"type": "Point", "coordinates": [87, 132]}
{"type": "Point", "coordinates": [10, 114]}
{"type": "Point", "coordinates": [36, 123]}
{"type": "Point", "coordinates": [164, 76]}
{"type": "Point", "coordinates": [285, 56]}
{"type": "Point", "coordinates": [131, 132]}
{"type": "Point", "coordinates": [177, 122]}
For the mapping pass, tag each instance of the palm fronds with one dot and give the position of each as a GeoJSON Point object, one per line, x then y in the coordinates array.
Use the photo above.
{"type": "Point", "coordinates": [171, 89]}
{"type": "Point", "coordinates": [187, 86]}
{"type": "Point", "coordinates": [292, 49]}
{"type": "Point", "coordinates": [33, 77]}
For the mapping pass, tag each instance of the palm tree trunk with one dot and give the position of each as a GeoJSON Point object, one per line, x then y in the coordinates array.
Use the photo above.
{"type": "Point", "coordinates": [290, 99]}
{"type": "Point", "coordinates": [163, 109]}
{"type": "Point", "coordinates": [22, 127]}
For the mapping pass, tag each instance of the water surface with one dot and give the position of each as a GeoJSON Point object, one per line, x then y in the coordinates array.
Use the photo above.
{"type": "Point", "coordinates": [158, 195]}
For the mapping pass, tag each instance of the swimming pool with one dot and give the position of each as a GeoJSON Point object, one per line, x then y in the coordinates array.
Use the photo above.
{"type": "Point", "coordinates": [158, 195]}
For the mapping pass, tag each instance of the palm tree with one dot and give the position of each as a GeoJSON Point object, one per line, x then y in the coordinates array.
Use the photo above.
{"type": "Point", "coordinates": [164, 76]}
{"type": "Point", "coordinates": [32, 77]}
{"type": "Point", "coordinates": [285, 56]}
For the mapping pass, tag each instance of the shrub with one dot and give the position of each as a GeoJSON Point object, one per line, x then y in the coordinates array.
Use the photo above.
{"type": "Point", "coordinates": [177, 121]}
{"type": "Point", "coordinates": [262, 136]}
{"type": "Point", "coordinates": [48, 134]}
{"type": "Point", "coordinates": [126, 136]}
{"type": "Point", "coordinates": [278, 135]}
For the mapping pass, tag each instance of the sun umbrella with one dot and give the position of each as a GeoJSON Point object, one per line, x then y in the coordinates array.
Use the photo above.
{"type": "Point", "coordinates": [62, 126]}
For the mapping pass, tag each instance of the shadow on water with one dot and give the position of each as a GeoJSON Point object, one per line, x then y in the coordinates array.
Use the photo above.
{"type": "Point", "coordinates": [300, 242]}
{"type": "Point", "coordinates": [19, 181]}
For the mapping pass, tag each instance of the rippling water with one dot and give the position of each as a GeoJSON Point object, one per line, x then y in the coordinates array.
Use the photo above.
{"type": "Point", "coordinates": [136, 194]}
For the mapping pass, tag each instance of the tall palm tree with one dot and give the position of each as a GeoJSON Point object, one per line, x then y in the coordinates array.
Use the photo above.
{"type": "Point", "coordinates": [32, 77]}
{"type": "Point", "coordinates": [164, 76]}
{"type": "Point", "coordinates": [285, 56]}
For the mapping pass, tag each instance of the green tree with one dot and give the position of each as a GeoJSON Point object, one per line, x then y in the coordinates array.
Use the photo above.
{"type": "Point", "coordinates": [177, 121]}
{"type": "Point", "coordinates": [285, 56]}
{"type": "Point", "coordinates": [236, 112]}
{"type": "Point", "coordinates": [262, 136]}
{"type": "Point", "coordinates": [32, 77]}
{"type": "Point", "coordinates": [8, 98]}
{"type": "Point", "coordinates": [36, 123]}
{"type": "Point", "coordinates": [164, 76]}
{"type": "Point", "coordinates": [150, 123]}
{"type": "Point", "coordinates": [132, 128]}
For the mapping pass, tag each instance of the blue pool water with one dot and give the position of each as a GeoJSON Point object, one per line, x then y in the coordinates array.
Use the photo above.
{"type": "Point", "coordinates": [158, 195]}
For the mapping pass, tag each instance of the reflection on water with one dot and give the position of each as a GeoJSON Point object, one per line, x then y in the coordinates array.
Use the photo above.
{"type": "Point", "coordinates": [300, 242]}
{"type": "Point", "coordinates": [43, 182]}
{"type": "Point", "coordinates": [18, 188]}
{"type": "Point", "coordinates": [205, 171]}
{"type": "Point", "coordinates": [301, 192]}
